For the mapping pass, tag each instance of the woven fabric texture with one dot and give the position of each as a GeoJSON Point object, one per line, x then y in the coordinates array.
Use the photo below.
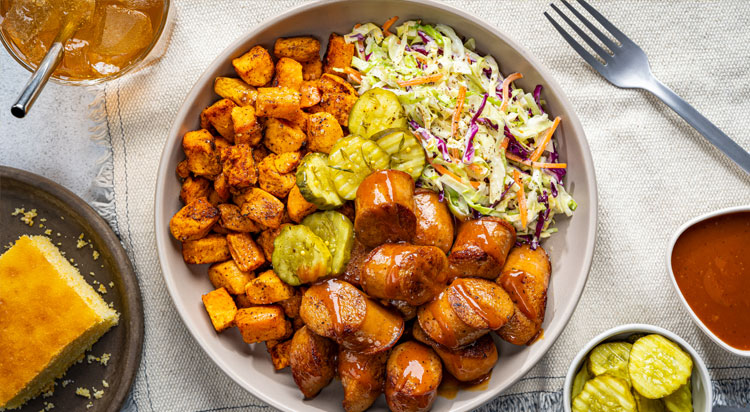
{"type": "Point", "coordinates": [654, 173]}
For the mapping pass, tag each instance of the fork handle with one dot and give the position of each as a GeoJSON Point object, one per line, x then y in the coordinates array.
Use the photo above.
{"type": "Point", "coordinates": [712, 133]}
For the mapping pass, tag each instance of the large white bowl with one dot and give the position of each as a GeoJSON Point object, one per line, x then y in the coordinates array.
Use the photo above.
{"type": "Point", "coordinates": [571, 249]}
{"type": "Point", "coordinates": [700, 379]}
{"type": "Point", "coordinates": [696, 319]}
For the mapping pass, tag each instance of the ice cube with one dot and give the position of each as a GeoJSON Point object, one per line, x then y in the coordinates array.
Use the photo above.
{"type": "Point", "coordinates": [32, 26]}
{"type": "Point", "coordinates": [141, 4]}
{"type": "Point", "coordinates": [123, 32]}
{"type": "Point", "coordinates": [75, 59]}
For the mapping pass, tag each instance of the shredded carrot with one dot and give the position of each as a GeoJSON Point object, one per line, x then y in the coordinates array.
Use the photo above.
{"type": "Point", "coordinates": [459, 108]}
{"type": "Point", "coordinates": [504, 143]}
{"type": "Point", "coordinates": [545, 141]}
{"type": "Point", "coordinates": [387, 25]}
{"type": "Point", "coordinates": [521, 198]}
{"type": "Point", "coordinates": [475, 168]}
{"type": "Point", "coordinates": [356, 75]}
{"type": "Point", "coordinates": [443, 171]}
{"type": "Point", "coordinates": [506, 86]}
{"type": "Point", "coordinates": [356, 26]}
{"type": "Point", "coordinates": [454, 153]}
{"type": "Point", "coordinates": [549, 165]}
{"type": "Point", "coordinates": [511, 156]}
{"type": "Point", "coordinates": [421, 80]}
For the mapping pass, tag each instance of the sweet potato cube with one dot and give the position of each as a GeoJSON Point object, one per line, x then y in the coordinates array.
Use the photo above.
{"type": "Point", "coordinates": [200, 150]}
{"type": "Point", "coordinates": [279, 352]}
{"type": "Point", "coordinates": [229, 276]}
{"type": "Point", "coordinates": [220, 307]}
{"type": "Point", "coordinates": [339, 54]}
{"type": "Point", "coordinates": [309, 94]}
{"type": "Point", "coordinates": [282, 136]}
{"type": "Point", "coordinates": [247, 129]}
{"type": "Point", "coordinates": [231, 219]}
{"type": "Point", "coordinates": [262, 323]}
{"type": "Point", "coordinates": [242, 302]}
{"type": "Point", "coordinates": [255, 67]}
{"type": "Point", "coordinates": [339, 105]}
{"type": "Point", "coordinates": [280, 102]}
{"type": "Point", "coordinates": [289, 73]}
{"type": "Point", "coordinates": [329, 83]}
{"type": "Point", "coordinates": [272, 180]}
{"type": "Point", "coordinates": [194, 188]}
{"type": "Point", "coordinates": [267, 288]}
{"type": "Point", "coordinates": [221, 187]}
{"type": "Point", "coordinates": [301, 49]}
{"type": "Point", "coordinates": [263, 208]}
{"type": "Point", "coordinates": [210, 249]}
{"type": "Point", "coordinates": [246, 253]}
{"type": "Point", "coordinates": [297, 206]}
{"type": "Point", "coordinates": [286, 162]}
{"type": "Point", "coordinates": [182, 169]}
{"type": "Point", "coordinates": [219, 115]}
{"type": "Point", "coordinates": [291, 306]}
{"type": "Point", "coordinates": [239, 166]}
{"type": "Point", "coordinates": [266, 239]}
{"type": "Point", "coordinates": [241, 93]}
{"type": "Point", "coordinates": [312, 70]}
{"type": "Point", "coordinates": [323, 131]}
{"type": "Point", "coordinates": [194, 220]}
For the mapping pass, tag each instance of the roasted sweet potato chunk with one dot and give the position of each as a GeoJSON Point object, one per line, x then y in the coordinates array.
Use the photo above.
{"type": "Point", "coordinates": [323, 131]}
{"type": "Point", "coordinates": [312, 70]}
{"type": "Point", "coordinates": [267, 288]}
{"type": "Point", "coordinates": [219, 115]}
{"type": "Point", "coordinates": [312, 359]}
{"type": "Point", "coordinates": [309, 94]}
{"type": "Point", "coordinates": [255, 67]}
{"type": "Point", "coordinates": [200, 150]}
{"type": "Point", "coordinates": [182, 169]}
{"type": "Point", "coordinates": [247, 129]}
{"type": "Point", "coordinates": [262, 323]}
{"type": "Point", "coordinates": [241, 93]}
{"type": "Point", "coordinates": [339, 105]}
{"type": "Point", "coordinates": [232, 219]}
{"type": "Point", "coordinates": [282, 136]}
{"type": "Point", "coordinates": [302, 49]}
{"type": "Point", "coordinates": [297, 206]}
{"type": "Point", "coordinates": [280, 102]}
{"type": "Point", "coordinates": [245, 251]}
{"type": "Point", "coordinates": [289, 73]}
{"type": "Point", "coordinates": [330, 84]}
{"type": "Point", "coordinates": [210, 249]}
{"type": "Point", "coordinates": [194, 188]}
{"type": "Point", "coordinates": [266, 239]}
{"type": "Point", "coordinates": [229, 276]}
{"type": "Point", "coordinates": [274, 181]}
{"type": "Point", "coordinates": [279, 353]}
{"type": "Point", "coordinates": [264, 208]}
{"type": "Point", "coordinates": [339, 54]}
{"type": "Point", "coordinates": [221, 308]}
{"type": "Point", "coordinates": [194, 220]}
{"type": "Point", "coordinates": [239, 166]}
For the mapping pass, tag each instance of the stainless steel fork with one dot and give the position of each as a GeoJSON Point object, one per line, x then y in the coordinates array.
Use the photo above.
{"type": "Point", "coordinates": [627, 67]}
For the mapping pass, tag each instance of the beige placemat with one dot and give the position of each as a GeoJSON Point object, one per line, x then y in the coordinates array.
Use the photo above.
{"type": "Point", "coordinates": [654, 173]}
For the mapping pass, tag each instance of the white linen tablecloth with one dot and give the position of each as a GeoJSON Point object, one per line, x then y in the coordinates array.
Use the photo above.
{"type": "Point", "coordinates": [654, 173]}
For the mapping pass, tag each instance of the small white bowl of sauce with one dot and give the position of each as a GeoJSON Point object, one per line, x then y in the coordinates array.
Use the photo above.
{"type": "Point", "coordinates": [709, 262]}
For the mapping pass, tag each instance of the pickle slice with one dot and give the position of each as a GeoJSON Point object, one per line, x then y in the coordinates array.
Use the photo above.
{"type": "Point", "coordinates": [646, 404]}
{"type": "Point", "coordinates": [610, 358]}
{"type": "Point", "coordinates": [374, 111]}
{"type": "Point", "coordinates": [681, 400]}
{"type": "Point", "coordinates": [581, 378]}
{"type": "Point", "coordinates": [406, 153]}
{"type": "Point", "coordinates": [352, 159]}
{"type": "Point", "coordinates": [337, 232]}
{"type": "Point", "coordinates": [604, 393]}
{"type": "Point", "coordinates": [315, 184]}
{"type": "Point", "coordinates": [658, 366]}
{"type": "Point", "coordinates": [300, 256]}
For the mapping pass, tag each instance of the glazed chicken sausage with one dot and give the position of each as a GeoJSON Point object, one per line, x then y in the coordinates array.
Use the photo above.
{"type": "Point", "coordinates": [337, 310]}
{"type": "Point", "coordinates": [413, 374]}
{"type": "Point", "coordinates": [481, 248]}
{"type": "Point", "coordinates": [312, 359]}
{"type": "Point", "coordinates": [363, 378]}
{"type": "Point", "coordinates": [434, 221]}
{"type": "Point", "coordinates": [469, 363]}
{"type": "Point", "coordinates": [400, 271]}
{"type": "Point", "coordinates": [525, 277]}
{"type": "Point", "coordinates": [384, 208]}
{"type": "Point", "coordinates": [467, 309]}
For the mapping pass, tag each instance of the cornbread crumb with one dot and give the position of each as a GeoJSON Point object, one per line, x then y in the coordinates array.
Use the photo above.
{"type": "Point", "coordinates": [66, 382]}
{"type": "Point", "coordinates": [92, 274]}
{"type": "Point", "coordinates": [111, 284]}
{"type": "Point", "coordinates": [105, 384]}
{"type": "Point", "coordinates": [98, 393]}
{"type": "Point", "coordinates": [81, 243]}
{"type": "Point", "coordinates": [28, 217]}
{"type": "Point", "coordinates": [48, 394]}
{"type": "Point", "coordinates": [48, 406]}
{"type": "Point", "coordinates": [95, 254]}
{"type": "Point", "coordinates": [41, 225]}
{"type": "Point", "coordinates": [17, 212]}
{"type": "Point", "coordinates": [102, 288]}
{"type": "Point", "coordinates": [89, 405]}
{"type": "Point", "coordinates": [44, 219]}
{"type": "Point", "coordinates": [48, 232]}
{"type": "Point", "coordinates": [83, 392]}
{"type": "Point", "coordinates": [105, 358]}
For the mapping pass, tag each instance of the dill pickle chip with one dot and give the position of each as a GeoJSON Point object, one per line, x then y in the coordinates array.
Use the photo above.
{"type": "Point", "coordinates": [300, 256]}
{"type": "Point", "coordinates": [610, 358]}
{"type": "Point", "coordinates": [406, 153]}
{"type": "Point", "coordinates": [315, 184]}
{"type": "Point", "coordinates": [351, 160]}
{"type": "Point", "coordinates": [681, 400]}
{"type": "Point", "coordinates": [658, 366]}
{"type": "Point", "coordinates": [581, 378]}
{"type": "Point", "coordinates": [604, 393]}
{"type": "Point", "coordinates": [634, 337]}
{"type": "Point", "coordinates": [376, 110]}
{"type": "Point", "coordinates": [646, 404]}
{"type": "Point", "coordinates": [337, 232]}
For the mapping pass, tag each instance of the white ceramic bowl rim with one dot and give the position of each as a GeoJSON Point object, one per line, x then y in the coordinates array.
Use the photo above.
{"type": "Point", "coordinates": [572, 121]}
{"type": "Point", "coordinates": [672, 241]}
{"type": "Point", "coordinates": [632, 328]}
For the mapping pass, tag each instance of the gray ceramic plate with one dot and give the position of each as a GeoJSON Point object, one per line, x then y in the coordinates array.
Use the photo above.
{"type": "Point", "coordinates": [67, 216]}
{"type": "Point", "coordinates": [571, 249]}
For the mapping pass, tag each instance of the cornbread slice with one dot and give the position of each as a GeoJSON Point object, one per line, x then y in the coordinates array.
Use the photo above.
{"type": "Point", "coordinates": [49, 316]}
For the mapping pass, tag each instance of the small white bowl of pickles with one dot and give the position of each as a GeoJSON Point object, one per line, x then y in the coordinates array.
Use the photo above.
{"type": "Point", "coordinates": [637, 368]}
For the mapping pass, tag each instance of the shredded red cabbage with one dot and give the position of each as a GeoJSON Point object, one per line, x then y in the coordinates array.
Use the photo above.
{"type": "Point", "coordinates": [514, 146]}
{"type": "Point", "coordinates": [441, 195]}
{"type": "Point", "coordinates": [537, 92]}
{"type": "Point", "coordinates": [420, 48]}
{"type": "Point", "coordinates": [487, 122]}
{"type": "Point", "coordinates": [424, 36]}
{"type": "Point", "coordinates": [480, 109]}
{"type": "Point", "coordinates": [469, 151]}
{"type": "Point", "coordinates": [426, 135]}
{"type": "Point", "coordinates": [487, 72]}
{"type": "Point", "coordinates": [540, 220]}
{"type": "Point", "coordinates": [502, 195]}
{"type": "Point", "coordinates": [556, 173]}
{"type": "Point", "coordinates": [553, 187]}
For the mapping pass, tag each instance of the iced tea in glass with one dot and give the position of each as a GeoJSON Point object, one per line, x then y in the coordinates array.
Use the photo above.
{"type": "Point", "coordinates": [110, 37]}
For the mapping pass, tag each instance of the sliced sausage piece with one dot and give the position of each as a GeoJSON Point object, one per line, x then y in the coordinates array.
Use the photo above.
{"type": "Point", "coordinates": [313, 361]}
{"type": "Point", "coordinates": [385, 210]}
{"type": "Point", "coordinates": [471, 363]}
{"type": "Point", "coordinates": [401, 271]}
{"type": "Point", "coordinates": [443, 325]}
{"type": "Point", "coordinates": [337, 310]}
{"type": "Point", "coordinates": [413, 374]}
{"type": "Point", "coordinates": [434, 221]}
{"type": "Point", "coordinates": [363, 378]}
{"type": "Point", "coordinates": [525, 277]}
{"type": "Point", "coordinates": [481, 248]}
{"type": "Point", "coordinates": [354, 267]}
